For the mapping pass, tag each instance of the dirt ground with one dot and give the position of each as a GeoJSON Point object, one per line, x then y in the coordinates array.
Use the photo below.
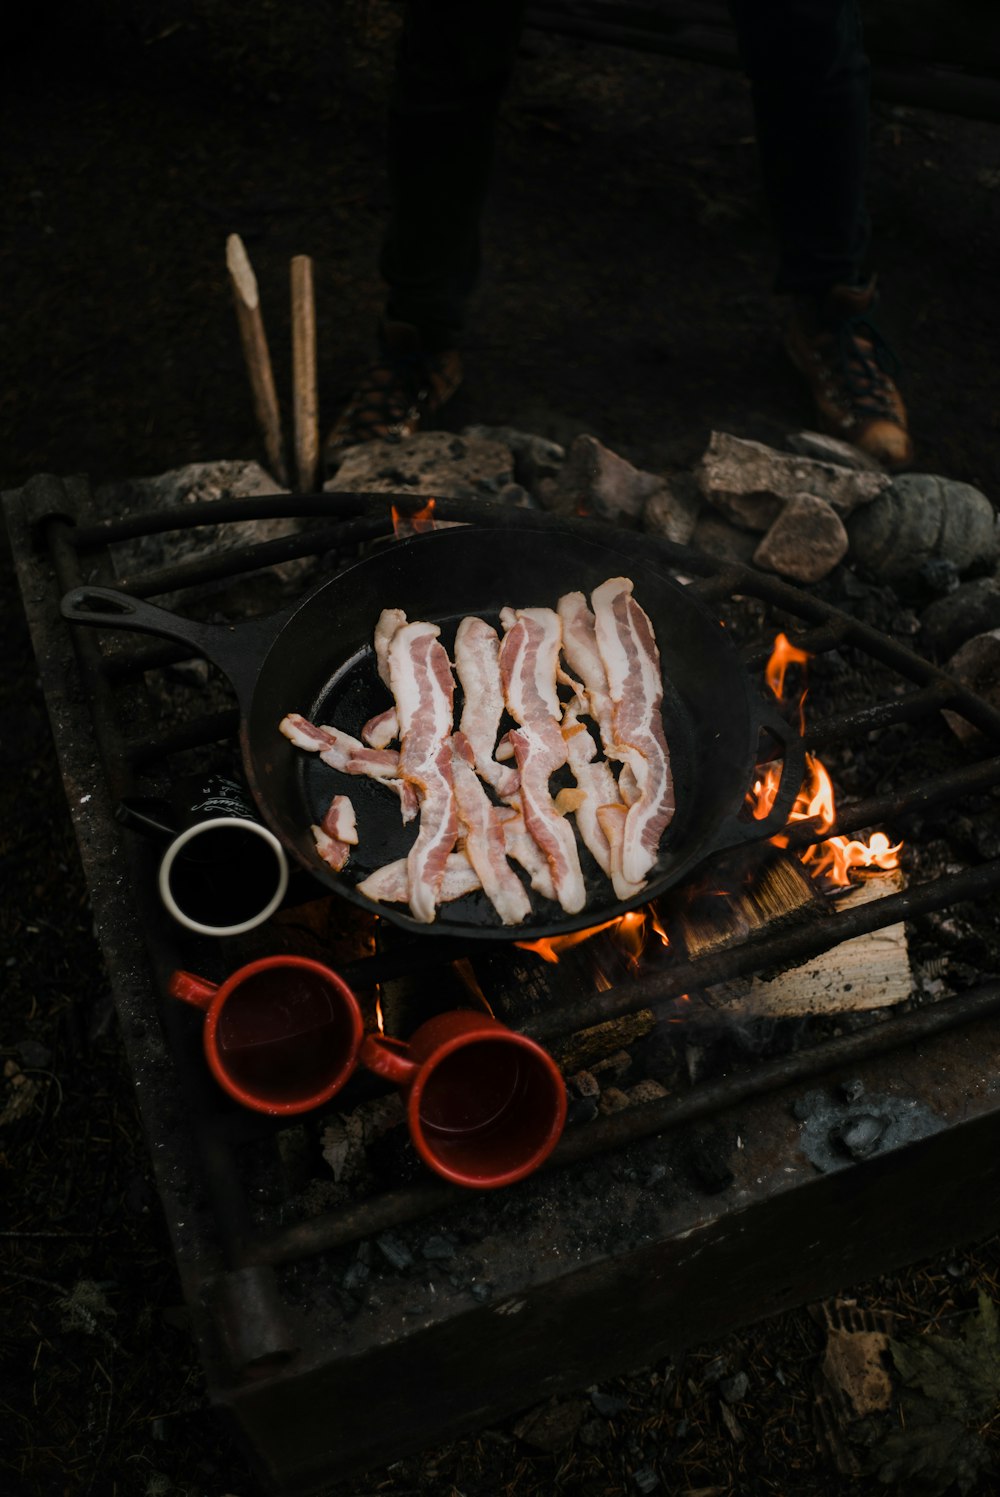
{"type": "Point", "coordinates": [626, 294]}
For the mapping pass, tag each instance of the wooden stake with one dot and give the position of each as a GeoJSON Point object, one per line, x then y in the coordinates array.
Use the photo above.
{"type": "Point", "coordinates": [305, 405]}
{"type": "Point", "coordinates": [256, 355]}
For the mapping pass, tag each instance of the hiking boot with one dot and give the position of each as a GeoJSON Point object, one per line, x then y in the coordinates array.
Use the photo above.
{"type": "Point", "coordinates": [835, 343]}
{"type": "Point", "coordinates": [397, 394]}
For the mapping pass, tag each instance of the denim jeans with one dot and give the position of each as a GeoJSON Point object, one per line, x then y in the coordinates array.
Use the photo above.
{"type": "Point", "coordinates": [809, 81]}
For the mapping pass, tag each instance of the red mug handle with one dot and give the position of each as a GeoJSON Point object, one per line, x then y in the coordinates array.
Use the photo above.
{"type": "Point", "coordinates": [382, 1056]}
{"type": "Point", "coordinates": [191, 989]}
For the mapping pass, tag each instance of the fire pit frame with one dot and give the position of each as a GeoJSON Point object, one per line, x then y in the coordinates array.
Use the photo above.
{"type": "Point", "coordinates": [275, 1375]}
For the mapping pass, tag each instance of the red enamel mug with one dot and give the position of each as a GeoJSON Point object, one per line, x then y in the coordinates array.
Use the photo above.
{"type": "Point", "coordinates": [485, 1105]}
{"type": "Point", "coordinates": [282, 1034]}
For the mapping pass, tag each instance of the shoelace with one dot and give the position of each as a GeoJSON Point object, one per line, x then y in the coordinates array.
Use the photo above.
{"type": "Point", "coordinates": [866, 369]}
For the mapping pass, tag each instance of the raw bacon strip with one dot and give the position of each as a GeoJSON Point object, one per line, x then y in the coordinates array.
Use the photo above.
{"type": "Point", "coordinates": [579, 647]}
{"type": "Point", "coordinates": [523, 849]}
{"type": "Point", "coordinates": [632, 661]}
{"type": "Point", "coordinates": [529, 657]}
{"type": "Point", "coordinates": [390, 619]}
{"type": "Point", "coordinates": [421, 681]}
{"type": "Point", "coordinates": [477, 650]}
{"type": "Point", "coordinates": [484, 842]}
{"type": "Point", "coordinates": [391, 884]}
{"type": "Point", "coordinates": [337, 834]}
{"type": "Point", "coordinates": [341, 751]}
{"type": "Point", "coordinates": [602, 835]}
{"type": "Point", "coordinates": [382, 729]}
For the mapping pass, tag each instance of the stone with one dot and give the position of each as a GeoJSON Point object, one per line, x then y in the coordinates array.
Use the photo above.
{"type": "Point", "coordinates": [552, 1425]}
{"type": "Point", "coordinates": [673, 510]}
{"type": "Point", "coordinates": [977, 666]}
{"type": "Point", "coordinates": [596, 481]}
{"type": "Point", "coordinates": [919, 517]}
{"type": "Point", "coordinates": [805, 542]}
{"type": "Point", "coordinates": [535, 457]}
{"type": "Point", "coordinates": [973, 608]}
{"type": "Point", "coordinates": [827, 449]}
{"type": "Point", "coordinates": [434, 463]}
{"type": "Point", "coordinates": [716, 537]}
{"type": "Point", "coordinates": [613, 1099]}
{"type": "Point", "coordinates": [748, 482]}
{"type": "Point", "coordinates": [647, 1090]}
{"type": "Point", "coordinates": [195, 483]}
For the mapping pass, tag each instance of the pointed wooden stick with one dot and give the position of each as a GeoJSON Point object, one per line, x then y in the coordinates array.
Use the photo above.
{"type": "Point", "coordinates": [256, 355]}
{"type": "Point", "coordinates": [305, 406]}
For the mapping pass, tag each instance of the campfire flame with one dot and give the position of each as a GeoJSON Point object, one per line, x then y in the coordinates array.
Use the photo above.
{"type": "Point", "coordinates": [413, 522]}
{"type": "Point", "coordinates": [379, 1016]}
{"type": "Point", "coordinates": [630, 933]}
{"type": "Point", "coordinates": [836, 857]}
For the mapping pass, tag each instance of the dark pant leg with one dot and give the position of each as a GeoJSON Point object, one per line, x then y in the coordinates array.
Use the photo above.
{"type": "Point", "coordinates": [810, 83]}
{"type": "Point", "coordinates": [454, 63]}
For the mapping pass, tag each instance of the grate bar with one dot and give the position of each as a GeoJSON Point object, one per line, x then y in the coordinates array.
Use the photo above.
{"type": "Point", "coordinates": [336, 1229]}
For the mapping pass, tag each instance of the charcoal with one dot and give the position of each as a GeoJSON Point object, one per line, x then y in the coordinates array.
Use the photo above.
{"type": "Point", "coordinates": [645, 1479]}
{"type": "Point", "coordinates": [608, 1404]}
{"type": "Point", "coordinates": [438, 1249]}
{"type": "Point", "coordinates": [581, 1110]}
{"type": "Point", "coordinates": [734, 1389]}
{"type": "Point", "coordinates": [852, 1090]}
{"type": "Point", "coordinates": [481, 1291]}
{"type": "Point", "coordinates": [394, 1250]}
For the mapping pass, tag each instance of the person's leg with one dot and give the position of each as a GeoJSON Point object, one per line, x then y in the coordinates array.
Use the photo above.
{"type": "Point", "coordinates": [810, 83]}
{"type": "Point", "coordinates": [453, 65]}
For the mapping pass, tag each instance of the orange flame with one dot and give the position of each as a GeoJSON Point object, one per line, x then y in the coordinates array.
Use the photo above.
{"type": "Point", "coordinates": [379, 1016]}
{"type": "Point", "coordinates": [629, 932]}
{"type": "Point", "coordinates": [414, 522]}
{"type": "Point", "coordinates": [784, 655]}
{"type": "Point", "coordinates": [834, 858]}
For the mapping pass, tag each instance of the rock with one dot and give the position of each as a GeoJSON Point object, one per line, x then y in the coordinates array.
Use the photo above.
{"type": "Point", "coordinates": [716, 537]}
{"type": "Point", "coordinates": [673, 510]}
{"type": "Point", "coordinates": [859, 1135]}
{"type": "Point", "coordinates": [748, 481]}
{"type": "Point", "coordinates": [586, 1084]}
{"type": "Point", "coordinates": [608, 1404]}
{"type": "Point", "coordinates": [613, 1099]}
{"type": "Point", "coordinates": [647, 1090]}
{"type": "Point", "coordinates": [552, 1425]}
{"type": "Point", "coordinates": [594, 480]}
{"type": "Point", "coordinates": [435, 463]}
{"type": "Point", "coordinates": [734, 1389]}
{"type": "Point", "coordinates": [826, 449]}
{"type": "Point", "coordinates": [973, 608]}
{"type": "Point", "coordinates": [921, 516]}
{"type": "Point", "coordinates": [195, 483]}
{"type": "Point", "coordinates": [534, 457]}
{"type": "Point", "coordinates": [805, 542]}
{"type": "Point", "coordinates": [977, 666]}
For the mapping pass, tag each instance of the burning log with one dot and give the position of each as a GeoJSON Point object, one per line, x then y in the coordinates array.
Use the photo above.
{"type": "Point", "coordinates": [871, 971]}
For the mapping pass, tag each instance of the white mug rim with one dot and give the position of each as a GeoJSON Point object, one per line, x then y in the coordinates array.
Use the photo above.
{"type": "Point", "coordinates": [181, 841]}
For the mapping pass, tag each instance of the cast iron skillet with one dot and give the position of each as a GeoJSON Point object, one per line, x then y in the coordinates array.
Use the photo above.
{"type": "Point", "coordinates": [317, 658]}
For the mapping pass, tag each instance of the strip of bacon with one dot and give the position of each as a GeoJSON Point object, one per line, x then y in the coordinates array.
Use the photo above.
{"type": "Point", "coordinates": [350, 756]}
{"type": "Point", "coordinates": [628, 649]}
{"type": "Point", "coordinates": [477, 664]}
{"type": "Point", "coordinates": [337, 833]}
{"type": "Point", "coordinates": [390, 619]}
{"type": "Point", "coordinates": [421, 682]}
{"type": "Point", "coordinates": [579, 647]}
{"type": "Point", "coordinates": [391, 884]}
{"type": "Point", "coordinates": [382, 729]}
{"type": "Point", "coordinates": [523, 849]}
{"type": "Point", "coordinates": [601, 833]}
{"type": "Point", "coordinates": [483, 837]}
{"type": "Point", "coordinates": [529, 658]}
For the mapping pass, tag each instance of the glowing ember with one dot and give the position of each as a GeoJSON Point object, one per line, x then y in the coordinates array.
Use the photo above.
{"type": "Point", "coordinates": [415, 523]}
{"type": "Point", "coordinates": [837, 856]}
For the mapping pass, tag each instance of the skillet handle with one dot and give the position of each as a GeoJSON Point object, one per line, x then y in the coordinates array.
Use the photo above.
{"type": "Point", "coordinates": [736, 830]}
{"type": "Point", "coordinates": [237, 649]}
